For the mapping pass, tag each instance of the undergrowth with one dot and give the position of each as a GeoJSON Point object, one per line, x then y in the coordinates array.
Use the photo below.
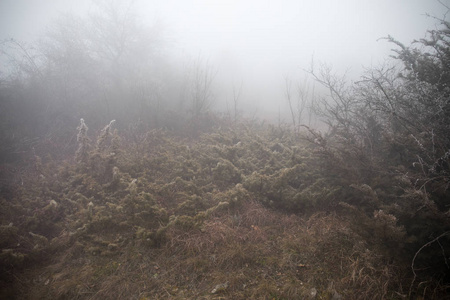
{"type": "Point", "coordinates": [248, 212]}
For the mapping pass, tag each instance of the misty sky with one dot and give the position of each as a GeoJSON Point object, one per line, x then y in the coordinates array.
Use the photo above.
{"type": "Point", "coordinates": [257, 42]}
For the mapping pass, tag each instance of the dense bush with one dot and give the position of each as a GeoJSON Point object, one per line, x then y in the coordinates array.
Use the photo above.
{"type": "Point", "coordinates": [388, 146]}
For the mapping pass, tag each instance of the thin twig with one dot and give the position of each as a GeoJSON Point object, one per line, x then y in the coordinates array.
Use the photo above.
{"type": "Point", "coordinates": [417, 253]}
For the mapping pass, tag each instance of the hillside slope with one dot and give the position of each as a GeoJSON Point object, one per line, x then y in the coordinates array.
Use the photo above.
{"type": "Point", "coordinates": [238, 213]}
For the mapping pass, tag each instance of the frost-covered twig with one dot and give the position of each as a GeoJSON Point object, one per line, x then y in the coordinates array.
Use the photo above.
{"type": "Point", "coordinates": [101, 141]}
{"type": "Point", "coordinates": [81, 154]}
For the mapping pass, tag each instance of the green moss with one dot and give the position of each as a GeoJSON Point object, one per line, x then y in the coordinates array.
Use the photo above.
{"type": "Point", "coordinates": [225, 173]}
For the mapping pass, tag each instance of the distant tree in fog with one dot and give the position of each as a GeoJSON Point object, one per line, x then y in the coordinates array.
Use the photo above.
{"type": "Point", "coordinates": [104, 58]}
{"type": "Point", "coordinates": [96, 66]}
{"type": "Point", "coordinates": [106, 65]}
{"type": "Point", "coordinates": [304, 101]}
{"type": "Point", "coordinates": [201, 87]}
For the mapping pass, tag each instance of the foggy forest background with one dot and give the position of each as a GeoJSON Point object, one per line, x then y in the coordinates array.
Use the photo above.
{"type": "Point", "coordinates": [380, 145]}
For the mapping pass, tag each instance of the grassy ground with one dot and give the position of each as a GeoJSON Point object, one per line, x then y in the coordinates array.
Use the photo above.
{"type": "Point", "coordinates": [252, 253]}
{"type": "Point", "coordinates": [233, 214]}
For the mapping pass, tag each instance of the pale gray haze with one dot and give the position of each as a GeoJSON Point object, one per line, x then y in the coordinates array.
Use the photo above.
{"type": "Point", "coordinates": [256, 43]}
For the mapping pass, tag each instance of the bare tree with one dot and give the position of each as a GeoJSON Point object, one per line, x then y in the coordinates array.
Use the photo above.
{"type": "Point", "coordinates": [288, 95]}
{"type": "Point", "coordinates": [301, 104]}
{"type": "Point", "coordinates": [303, 96]}
{"type": "Point", "coordinates": [20, 59]}
{"type": "Point", "coordinates": [236, 96]}
{"type": "Point", "coordinates": [201, 88]}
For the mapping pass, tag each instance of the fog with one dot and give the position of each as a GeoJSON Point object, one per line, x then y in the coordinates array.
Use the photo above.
{"type": "Point", "coordinates": [254, 44]}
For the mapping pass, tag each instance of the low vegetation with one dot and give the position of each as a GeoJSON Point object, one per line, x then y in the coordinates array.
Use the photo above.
{"type": "Point", "coordinates": [241, 213]}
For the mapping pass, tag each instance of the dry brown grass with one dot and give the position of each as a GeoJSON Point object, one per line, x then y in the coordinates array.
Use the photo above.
{"type": "Point", "coordinates": [260, 254]}
{"type": "Point", "coordinates": [182, 238]}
